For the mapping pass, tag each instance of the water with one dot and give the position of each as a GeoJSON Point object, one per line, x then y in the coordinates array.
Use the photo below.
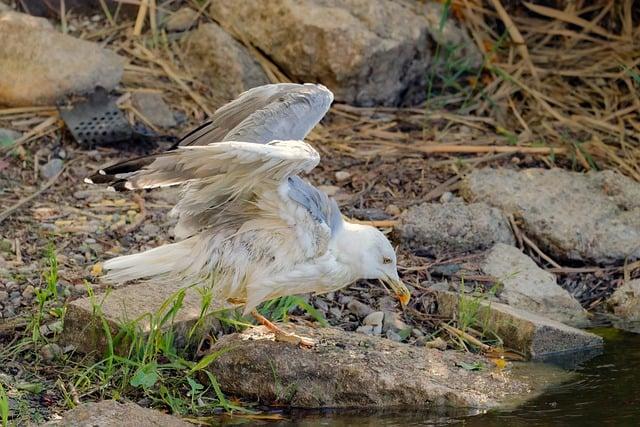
{"type": "Point", "coordinates": [604, 392]}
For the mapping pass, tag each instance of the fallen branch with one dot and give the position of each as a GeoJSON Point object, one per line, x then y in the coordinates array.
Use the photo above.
{"type": "Point", "coordinates": [537, 250]}
{"type": "Point", "coordinates": [465, 336]}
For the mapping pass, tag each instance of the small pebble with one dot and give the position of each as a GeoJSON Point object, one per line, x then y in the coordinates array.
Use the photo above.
{"type": "Point", "coordinates": [344, 299]}
{"type": "Point", "coordinates": [330, 190]}
{"type": "Point", "coordinates": [365, 329]}
{"type": "Point", "coordinates": [4, 296]}
{"type": "Point", "coordinates": [181, 20]}
{"type": "Point", "coordinates": [51, 168]}
{"type": "Point", "coordinates": [374, 319]}
{"type": "Point", "coordinates": [393, 210]}
{"type": "Point", "coordinates": [150, 229]}
{"type": "Point", "coordinates": [437, 343]}
{"type": "Point", "coordinates": [446, 197]}
{"type": "Point", "coordinates": [335, 312]}
{"type": "Point", "coordinates": [393, 322]}
{"type": "Point", "coordinates": [358, 308]}
{"type": "Point", "coordinates": [321, 305]}
{"type": "Point", "coordinates": [393, 336]}
{"type": "Point", "coordinates": [417, 333]}
{"type": "Point", "coordinates": [50, 351]}
{"type": "Point", "coordinates": [28, 292]}
{"type": "Point", "coordinates": [342, 176]}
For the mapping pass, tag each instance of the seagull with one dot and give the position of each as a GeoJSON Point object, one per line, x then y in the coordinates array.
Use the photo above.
{"type": "Point", "coordinates": [246, 221]}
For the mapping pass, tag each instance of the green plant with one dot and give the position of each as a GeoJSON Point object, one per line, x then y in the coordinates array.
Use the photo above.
{"type": "Point", "coordinates": [4, 407]}
{"type": "Point", "coordinates": [46, 297]}
{"type": "Point", "coordinates": [143, 358]}
{"type": "Point", "coordinates": [278, 309]}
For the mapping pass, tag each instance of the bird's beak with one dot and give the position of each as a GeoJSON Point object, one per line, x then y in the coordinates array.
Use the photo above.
{"type": "Point", "coordinates": [399, 289]}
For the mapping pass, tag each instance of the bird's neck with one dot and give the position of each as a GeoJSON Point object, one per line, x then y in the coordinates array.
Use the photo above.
{"type": "Point", "coordinates": [348, 245]}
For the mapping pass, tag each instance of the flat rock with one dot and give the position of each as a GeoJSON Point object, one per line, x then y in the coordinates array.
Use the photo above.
{"type": "Point", "coordinates": [593, 217]}
{"type": "Point", "coordinates": [129, 305]}
{"type": "Point", "coordinates": [368, 52]}
{"type": "Point", "coordinates": [625, 304]}
{"type": "Point", "coordinates": [528, 287]}
{"type": "Point", "coordinates": [535, 336]}
{"type": "Point", "coordinates": [39, 66]}
{"type": "Point", "coordinates": [351, 370]}
{"type": "Point", "coordinates": [453, 227]}
{"type": "Point", "coordinates": [154, 109]}
{"type": "Point", "coordinates": [221, 62]}
{"type": "Point", "coordinates": [108, 413]}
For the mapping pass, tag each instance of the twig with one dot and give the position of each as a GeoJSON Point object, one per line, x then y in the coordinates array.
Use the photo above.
{"type": "Point", "coordinates": [383, 223]}
{"type": "Point", "coordinates": [542, 255]}
{"type": "Point", "coordinates": [465, 336]}
{"type": "Point", "coordinates": [516, 36]}
{"type": "Point", "coordinates": [142, 13]}
{"type": "Point", "coordinates": [516, 231]}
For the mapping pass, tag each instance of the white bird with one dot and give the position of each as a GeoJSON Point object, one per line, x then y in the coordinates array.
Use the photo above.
{"type": "Point", "coordinates": [247, 223]}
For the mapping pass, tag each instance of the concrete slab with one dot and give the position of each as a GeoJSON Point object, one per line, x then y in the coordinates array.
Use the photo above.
{"type": "Point", "coordinates": [134, 304]}
{"type": "Point", "coordinates": [535, 336]}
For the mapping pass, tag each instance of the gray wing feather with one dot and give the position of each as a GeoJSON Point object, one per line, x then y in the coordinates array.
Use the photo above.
{"type": "Point", "coordinates": [284, 111]}
{"type": "Point", "coordinates": [320, 207]}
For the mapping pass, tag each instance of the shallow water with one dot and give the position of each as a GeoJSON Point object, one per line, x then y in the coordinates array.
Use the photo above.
{"type": "Point", "coordinates": [604, 392]}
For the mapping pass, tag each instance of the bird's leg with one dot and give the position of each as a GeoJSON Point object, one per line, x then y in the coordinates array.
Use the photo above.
{"type": "Point", "coordinates": [280, 334]}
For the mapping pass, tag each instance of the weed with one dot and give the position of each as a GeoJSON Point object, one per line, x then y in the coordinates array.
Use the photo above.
{"type": "Point", "coordinates": [278, 309]}
{"type": "Point", "coordinates": [4, 407]}
{"type": "Point", "coordinates": [47, 296]}
{"type": "Point", "coordinates": [144, 359]}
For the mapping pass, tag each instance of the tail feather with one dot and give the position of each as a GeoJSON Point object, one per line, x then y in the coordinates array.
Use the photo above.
{"type": "Point", "coordinates": [172, 259]}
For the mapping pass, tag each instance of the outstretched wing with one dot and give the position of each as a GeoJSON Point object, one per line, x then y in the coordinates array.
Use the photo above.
{"type": "Point", "coordinates": [282, 111]}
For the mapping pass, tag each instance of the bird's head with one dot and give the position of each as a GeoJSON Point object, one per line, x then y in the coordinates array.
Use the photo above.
{"type": "Point", "coordinates": [376, 258]}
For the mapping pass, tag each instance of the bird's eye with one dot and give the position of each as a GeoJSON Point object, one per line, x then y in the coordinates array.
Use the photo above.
{"type": "Point", "coordinates": [386, 260]}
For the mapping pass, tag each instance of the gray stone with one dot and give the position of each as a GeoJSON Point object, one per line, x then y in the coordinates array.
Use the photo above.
{"type": "Point", "coordinates": [8, 136]}
{"type": "Point", "coordinates": [535, 336]}
{"type": "Point", "coordinates": [150, 229]}
{"type": "Point", "coordinates": [221, 62]}
{"type": "Point", "coordinates": [153, 108]}
{"type": "Point", "coordinates": [365, 329]}
{"type": "Point", "coordinates": [181, 20]}
{"type": "Point", "coordinates": [321, 305]}
{"type": "Point", "coordinates": [393, 336]}
{"type": "Point", "coordinates": [625, 304]}
{"type": "Point", "coordinates": [393, 322]}
{"type": "Point", "coordinates": [444, 228]}
{"type": "Point", "coordinates": [50, 351]}
{"type": "Point", "coordinates": [592, 217]}
{"type": "Point", "coordinates": [358, 308]}
{"type": "Point", "coordinates": [528, 287]}
{"type": "Point", "coordinates": [51, 168]}
{"type": "Point", "coordinates": [28, 292]}
{"type": "Point", "coordinates": [368, 52]}
{"type": "Point", "coordinates": [109, 413]}
{"type": "Point", "coordinates": [4, 296]}
{"type": "Point", "coordinates": [83, 325]}
{"type": "Point", "coordinates": [40, 66]}
{"type": "Point", "coordinates": [9, 15]}
{"type": "Point", "coordinates": [350, 370]}
{"type": "Point", "coordinates": [374, 319]}
{"type": "Point", "coordinates": [342, 176]}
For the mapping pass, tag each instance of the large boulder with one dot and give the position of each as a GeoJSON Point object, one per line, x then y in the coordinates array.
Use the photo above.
{"type": "Point", "coordinates": [454, 227]}
{"type": "Point", "coordinates": [38, 65]}
{"type": "Point", "coordinates": [368, 52]}
{"type": "Point", "coordinates": [526, 286]}
{"type": "Point", "coordinates": [221, 62]}
{"type": "Point", "coordinates": [351, 370]}
{"type": "Point", "coordinates": [592, 217]}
